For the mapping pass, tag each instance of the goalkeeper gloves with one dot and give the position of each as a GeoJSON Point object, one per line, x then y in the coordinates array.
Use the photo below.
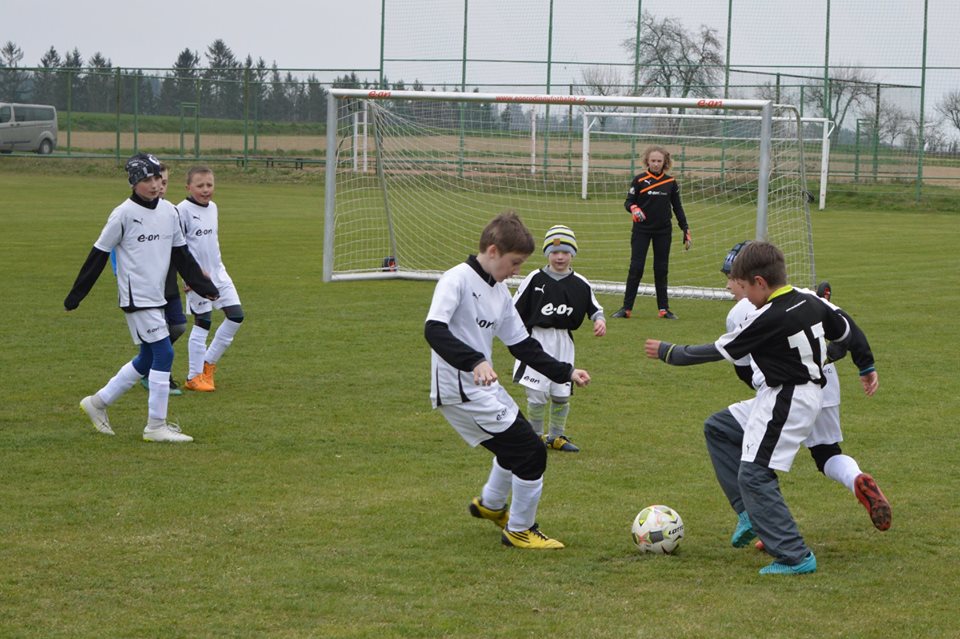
{"type": "Point", "coordinates": [637, 212]}
{"type": "Point", "coordinates": [687, 240]}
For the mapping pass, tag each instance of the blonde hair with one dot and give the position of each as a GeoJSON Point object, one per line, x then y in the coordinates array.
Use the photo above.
{"type": "Point", "coordinates": [198, 170]}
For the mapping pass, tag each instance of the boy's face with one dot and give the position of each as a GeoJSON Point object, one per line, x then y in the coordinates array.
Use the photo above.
{"type": "Point", "coordinates": [559, 261]}
{"type": "Point", "coordinates": [735, 288]}
{"type": "Point", "coordinates": [201, 187]}
{"type": "Point", "coordinates": [499, 265]}
{"type": "Point", "coordinates": [755, 290]}
{"type": "Point", "coordinates": [148, 188]}
{"type": "Point", "coordinates": [164, 178]}
{"type": "Point", "coordinates": [655, 162]}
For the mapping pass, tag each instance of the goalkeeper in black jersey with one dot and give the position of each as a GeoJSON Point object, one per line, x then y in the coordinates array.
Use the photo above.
{"type": "Point", "coordinates": [553, 302]}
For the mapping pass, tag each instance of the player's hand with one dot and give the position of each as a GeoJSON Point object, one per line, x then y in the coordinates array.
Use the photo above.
{"type": "Point", "coordinates": [600, 328]}
{"type": "Point", "coordinates": [687, 240]}
{"type": "Point", "coordinates": [638, 215]}
{"type": "Point", "coordinates": [870, 383]}
{"type": "Point", "coordinates": [580, 377]}
{"type": "Point", "coordinates": [652, 348]}
{"type": "Point", "coordinates": [483, 374]}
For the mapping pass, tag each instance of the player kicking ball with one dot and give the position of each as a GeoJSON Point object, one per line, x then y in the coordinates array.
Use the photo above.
{"type": "Point", "coordinates": [471, 305]}
{"type": "Point", "coordinates": [784, 338]}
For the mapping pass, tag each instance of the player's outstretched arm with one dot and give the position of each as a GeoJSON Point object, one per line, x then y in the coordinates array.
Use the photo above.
{"type": "Point", "coordinates": [681, 355]}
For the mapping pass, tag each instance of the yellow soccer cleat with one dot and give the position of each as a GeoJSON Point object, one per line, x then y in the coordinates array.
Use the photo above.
{"type": "Point", "coordinates": [532, 539]}
{"type": "Point", "coordinates": [499, 517]}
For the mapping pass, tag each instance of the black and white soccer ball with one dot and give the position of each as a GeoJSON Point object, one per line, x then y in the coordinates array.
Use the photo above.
{"type": "Point", "coordinates": [657, 529]}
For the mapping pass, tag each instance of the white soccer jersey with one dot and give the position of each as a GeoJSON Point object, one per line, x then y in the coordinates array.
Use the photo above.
{"type": "Point", "coordinates": [143, 239]}
{"type": "Point", "coordinates": [475, 311]}
{"type": "Point", "coordinates": [201, 226]}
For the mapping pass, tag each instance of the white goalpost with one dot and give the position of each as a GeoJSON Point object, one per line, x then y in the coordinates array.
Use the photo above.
{"type": "Point", "coordinates": [814, 131]}
{"type": "Point", "coordinates": [412, 177]}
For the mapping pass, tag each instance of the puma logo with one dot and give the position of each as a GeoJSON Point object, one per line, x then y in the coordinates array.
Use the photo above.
{"type": "Point", "coordinates": [539, 289]}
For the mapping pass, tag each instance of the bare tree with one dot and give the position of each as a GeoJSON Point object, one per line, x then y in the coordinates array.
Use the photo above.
{"type": "Point", "coordinates": [604, 81]}
{"type": "Point", "coordinates": [849, 88]}
{"type": "Point", "coordinates": [12, 80]}
{"type": "Point", "coordinates": [949, 107]}
{"type": "Point", "coordinates": [894, 123]}
{"type": "Point", "coordinates": [674, 61]}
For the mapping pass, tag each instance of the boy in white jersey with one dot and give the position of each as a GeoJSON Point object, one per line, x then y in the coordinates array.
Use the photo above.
{"type": "Point", "coordinates": [200, 224]}
{"type": "Point", "coordinates": [553, 302]}
{"type": "Point", "coordinates": [785, 339]}
{"type": "Point", "coordinates": [145, 232]}
{"type": "Point", "coordinates": [724, 429]}
{"type": "Point", "coordinates": [471, 305]}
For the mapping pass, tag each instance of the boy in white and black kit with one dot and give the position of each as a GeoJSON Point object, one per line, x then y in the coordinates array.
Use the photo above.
{"type": "Point", "coordinates": [471, 305]}
{"type": "Point", "coordinates": [145, 232]}
{"type": "Point", "coordinates": [785, 339]}
{"type": "Point", "coordinates": [723, 430]}
{"type": "Point", "coordinates": [553, 302]}
{"type": "Point", "coordinates": [199, 219]}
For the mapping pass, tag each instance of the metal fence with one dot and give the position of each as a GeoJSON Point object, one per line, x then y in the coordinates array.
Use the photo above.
{"type": "Point", "coordinates": [886, 77]}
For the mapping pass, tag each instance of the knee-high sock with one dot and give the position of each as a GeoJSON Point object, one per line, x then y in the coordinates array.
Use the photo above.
{"type": "Point", "coordinates": [196, 349]}
{"type": "Point", "coordinates": [558, 417]}
{"type": "Point", "coordinates": [497, 488]}
{"type": "Point", "coordinates": [842, 469]}
{"type": "Point", "coordinates": [159, 394]}
{"type": "Point", "coordinates": [526, 498]}
{"type": "Point", "coordinates": [535, 414]}
{"type": "Point", "coordinates": [221, 340]}
{"type": "Point", "coordinates": [119, 384]}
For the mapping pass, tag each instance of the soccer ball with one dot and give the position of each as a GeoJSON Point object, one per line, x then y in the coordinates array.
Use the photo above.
{"type": "Point", "coordinates": [657, 529]}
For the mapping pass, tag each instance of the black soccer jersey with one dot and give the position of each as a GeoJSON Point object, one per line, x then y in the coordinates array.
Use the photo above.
{"type": "Point", "coordinates": [554, 301]}
{"type": "Point", "coordinates": [656, 195]}
{"type": "Point", "coordinates": [786, 337]}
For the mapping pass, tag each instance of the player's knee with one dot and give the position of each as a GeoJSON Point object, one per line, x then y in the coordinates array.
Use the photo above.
{"type": "Point", "coordinates": [533, 463]}
{"type": "Point", "coordinates": [176, 330]}
{"type": "Point", "coordinates": [823, 452]}
{"type": "Point", "coordinates": [234, 313]}
{"type": "Point", "coordinates": [559, 400]}
{"type": "Point", "coordinates": [203, 320]}
{"type": "Point", "coordinates": [162, 355]}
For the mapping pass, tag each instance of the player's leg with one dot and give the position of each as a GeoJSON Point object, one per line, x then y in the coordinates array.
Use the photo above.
{"type": "Point", "coordinates": [177, 325]}
{"type": "Point", "coordinates": [639, 244]}
{"type": "Point", "coordinates": [661, 267]}
{"type": "Point", "coordinates": [537, 401]}
{"type": "Point", "coordinates": [724, 438]}
{"type": "Point", "coordinates": [780, 420]}
{"type": "Point", "coordinates": [492, 502]}
{"type": "Point", "coordinates": [222, 340]}
{"type": "Point", "coordinates": [557, 439]}
{"type": "Point", "coordinates": [197, 344]}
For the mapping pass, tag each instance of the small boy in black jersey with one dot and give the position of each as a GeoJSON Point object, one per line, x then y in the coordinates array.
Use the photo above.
{"type": "Point", "coordinates": [785, 337]}
{"type": "Point", "coordinates": [552, 302]}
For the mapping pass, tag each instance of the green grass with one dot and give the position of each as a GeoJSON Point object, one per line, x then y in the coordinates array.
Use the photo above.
{"type": "Point", "coordinates": [323, 497]}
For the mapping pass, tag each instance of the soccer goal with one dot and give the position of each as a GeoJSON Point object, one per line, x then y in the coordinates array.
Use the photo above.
{"type": "Point", "coordinates": [719, 129]}
{"type": "Point", "coordinates": [440, 165]}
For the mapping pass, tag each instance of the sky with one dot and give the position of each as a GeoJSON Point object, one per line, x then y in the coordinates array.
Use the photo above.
{"type": "Point", "coordinates": [345, 34]}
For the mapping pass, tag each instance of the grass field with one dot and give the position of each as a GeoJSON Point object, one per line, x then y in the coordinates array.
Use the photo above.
{"type": "Point", "coordinates": [323, 497]}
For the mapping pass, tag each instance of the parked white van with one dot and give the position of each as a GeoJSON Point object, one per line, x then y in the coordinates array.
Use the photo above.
{"type": "Point", "coordinates": [28, 127]}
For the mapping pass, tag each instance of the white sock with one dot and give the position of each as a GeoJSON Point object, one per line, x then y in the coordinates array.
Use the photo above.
{"type": "Point", "coordinates": [119, 384]}
{"type": "Point", "coordinates": [526, 498]}
{"type": "Point", "coordinates": [535, 415]}
{"type": "Point", "coordinates": [221, 340]}
{"type": "Point", "coordinates": [159, 394]}
{"type": "Point", "coordinates": [196, 349]}
{"type": "Point", "coordinates": [842, 469]}
{"type": "Point", "coordinates": [558, 417]}
{"type": "Point", "coordinates": [497, 488]}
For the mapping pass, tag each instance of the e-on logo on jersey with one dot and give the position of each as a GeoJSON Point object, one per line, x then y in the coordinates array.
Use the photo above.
{"type": "Point", "coordinates": [482, 323]}
{"type": "Point", "coordinates": [152, 237]}
{"type": "Point", "coordinates": [559, 309]}
{"type": "Point", "coordinates": [202, 232]}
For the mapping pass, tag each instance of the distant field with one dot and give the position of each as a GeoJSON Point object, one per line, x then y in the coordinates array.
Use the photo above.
{"type": "Point", "coordinates": [323, 497]}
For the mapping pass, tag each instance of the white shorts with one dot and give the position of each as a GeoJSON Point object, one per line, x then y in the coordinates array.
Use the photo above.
{"type": "Point", "coordinates": [774, 432]}
{"type": "Point", "coordinates": [200, 305]}
{"type": "Point", "coordinates": [147, 326]}
{"type": "Point", "coordinates": [478, 420]}
{"type": "Point", "coordinates": [826, 428]}
{"type": "Point", "coordinates": [557, 343]}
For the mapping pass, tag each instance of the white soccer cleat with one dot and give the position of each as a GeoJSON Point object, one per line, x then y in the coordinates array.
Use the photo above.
{"type": "Point", "coordinates": [165, 433]}
{"type": "Point", "coordinates": [97, 416]}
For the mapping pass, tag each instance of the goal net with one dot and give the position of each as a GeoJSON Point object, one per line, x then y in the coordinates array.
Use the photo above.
{"type": "Point", "coordinates": [413, 177]}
